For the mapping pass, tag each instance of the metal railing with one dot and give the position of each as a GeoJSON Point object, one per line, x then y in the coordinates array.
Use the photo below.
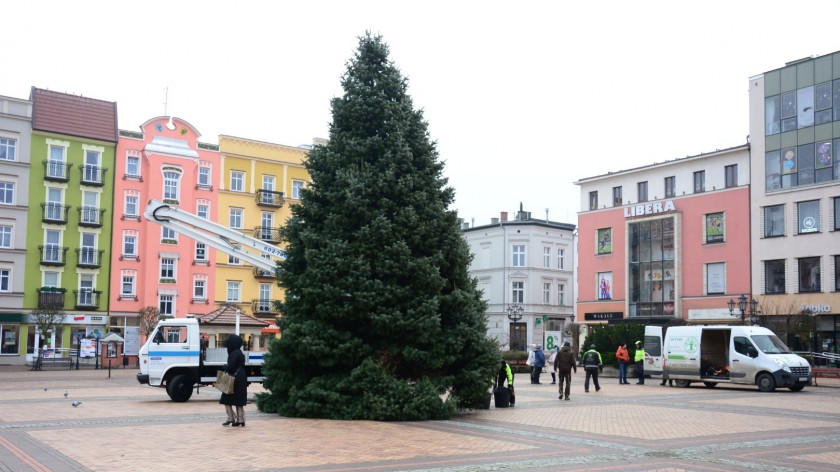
{"type": "Point", "coordinates": [55, 213]}
{"type": "Point", "coordinates": [53, 255]}
{"type": "Point", "coordinates": [93, 175]}
{"type": "Point", "coordinates": [57, 171]}
{"type": "Point", "coordinates": [270, 198]}
{"type": "Point", "coordinates": [91, 216]}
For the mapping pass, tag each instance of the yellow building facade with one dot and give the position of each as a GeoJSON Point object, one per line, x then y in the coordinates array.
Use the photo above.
{"type": "Point", "coordinates": [258, 182]}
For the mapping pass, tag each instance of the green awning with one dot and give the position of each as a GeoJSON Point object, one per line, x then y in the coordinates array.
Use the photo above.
{"type": "Point", "coordinates": [13, 318]}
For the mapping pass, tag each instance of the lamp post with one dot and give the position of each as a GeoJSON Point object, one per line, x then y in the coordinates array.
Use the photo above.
{"type": "Point", "coordinates": [514, 314]}
{"type": "Point", "coordinates": [78, 348]}
{"type": "Point", "coordinates": [742, 305]}
{"type": "Point", "coordinates": [96, 348]}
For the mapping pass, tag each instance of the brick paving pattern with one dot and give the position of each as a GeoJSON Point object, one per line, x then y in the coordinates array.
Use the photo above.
{"type": "Point", "coordinates": [122, 425]}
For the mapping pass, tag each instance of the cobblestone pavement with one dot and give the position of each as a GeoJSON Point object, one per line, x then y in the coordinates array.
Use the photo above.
{"type": "Point", "coordinates": [122, 425]}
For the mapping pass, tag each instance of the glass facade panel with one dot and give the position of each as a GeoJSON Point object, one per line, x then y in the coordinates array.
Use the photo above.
{"type": "Point", "coordinates": [651, 274]}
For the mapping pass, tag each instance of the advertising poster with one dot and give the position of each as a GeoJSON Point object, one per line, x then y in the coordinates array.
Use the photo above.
{"type": "Point", "coordinates": [714, 227]}
{"type": "Point", "coordinates": [789, 161]}
{"type": "Point", "coordinates": [552, 339]}
{"type": "Point", "coordinates": [605, 241]}
{"type": "Point", "coordinates": [604, 285]}
{"type": "Point", "coordinates": [824, 158]}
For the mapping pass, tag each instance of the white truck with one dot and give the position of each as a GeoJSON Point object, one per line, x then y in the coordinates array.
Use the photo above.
{"type": "Point", "coordinates": [175, 357]}
{"type": "Point", "coordinates": [749, 355]}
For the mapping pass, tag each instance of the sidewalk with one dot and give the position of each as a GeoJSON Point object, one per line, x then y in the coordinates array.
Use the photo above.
{"type": "Point", "coordinates": [122, 425]}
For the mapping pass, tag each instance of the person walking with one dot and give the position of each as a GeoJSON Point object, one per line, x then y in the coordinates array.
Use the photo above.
{"type": "Point", "coordinates": [530, 362]}
{"type": "Point", "coordinates": [235, 367]}
{"type": "Point", "coordinates": [665, 376]}
{"type": "Point", "coordinates": [539, 363]}
{"type": "Point", "coordinates": [551, 360]}
{"type": "Point", "coordinates": [564, 363]}
{"type": "Point", "coordinates": [623, 357]}
{"type": "Point", "coordinates": [592, 364]}
{"type": "Point", "coordinates": [639, 358]}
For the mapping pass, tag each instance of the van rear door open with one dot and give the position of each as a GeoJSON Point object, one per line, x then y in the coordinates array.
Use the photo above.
{"type": "Point", "coordinates": [653, 350]}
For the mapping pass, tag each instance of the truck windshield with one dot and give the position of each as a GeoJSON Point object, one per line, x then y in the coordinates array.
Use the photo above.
{"type": "Point", "coordinates": [770, 344]}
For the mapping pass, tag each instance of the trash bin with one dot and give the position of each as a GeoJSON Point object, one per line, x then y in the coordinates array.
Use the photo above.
{"type": "Point", "coordinates": [486, 402]}
{"type": "Point", "coordinates": [502, 397]}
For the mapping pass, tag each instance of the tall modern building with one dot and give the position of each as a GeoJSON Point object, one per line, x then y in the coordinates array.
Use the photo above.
{"type": "Point", "coordinates": [71, 190]}
{"type": "Point", "coordinates": [525, 267]}
{"type": "Point", "coordinates": [795, 199]}
{"type": "Point", "coordinates": [152, 266]}
{"type": "Point", "coordinates": [15, 138]}
{"type": "Point", "coordinates": [665, 241]}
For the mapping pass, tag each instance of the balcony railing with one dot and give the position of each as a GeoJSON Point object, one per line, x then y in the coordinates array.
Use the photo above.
{"type": "Point", "coordinates": [50, 297]}
{"type": "Point", "coordinates": [264, 307]}
{"type": "Point", "coordinates": [89, 258]}
{"type": "Point", "coordinates": [267, 234]}
{"type": "Point", "coordinates": [57, 171]}
{"type": "Point", "coordinates": [263, 274]}
{"type": "Point", "coordinates": [91, 216]}
{"type": "Point", "coordinates": [55, 213]}
{"type": "Point", "coordinates": [87, 299]}
{"type": "Point", "coordinates": [53, 255]}
{"type": "Point", "coordinates": [93, 175]}
{"type": "Point", "coordinates": [270, 198]}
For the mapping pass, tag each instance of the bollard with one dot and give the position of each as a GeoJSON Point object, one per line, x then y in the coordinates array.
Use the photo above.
{"type": "Point", "coordinates": [109, 368]}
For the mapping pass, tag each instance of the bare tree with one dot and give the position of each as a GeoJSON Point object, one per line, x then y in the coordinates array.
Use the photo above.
{"type": "Point", "coordinates": [791, 324]}
{"type": "Point", "coordinates": [149, 317]}
{"type": "Point", "coordinates": [47, 320]}
{"type": "Point", "coordinates": [573, 330]}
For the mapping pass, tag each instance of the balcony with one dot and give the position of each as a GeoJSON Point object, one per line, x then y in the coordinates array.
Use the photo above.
{"type": "Point", "coordinates": [87, 299]}
{"type": "Point", "coordinates": [267, 234]}
{"type": "Point", "coordinates": [270, 198]}
{"type": "Point", "coordinates": [263, 274]}
{"type": "Point", "coordinates": [91, 217]}
{"type": "Point", "coordinates": [50, 297]}
{"type": "Point", "coordinates": [53, 255]}
{"type": "Point", "coordinates": [89, 258]}
{"type": "Point", "coordinates": [56, 171]}
{"type": "Point", "coordinates": [201, 186]}
{"type": "Point", "coordinates": [55, 213]}
{"type": "Point", "coordinates": [264, 307]}
{"type": "Point", "coordinates": [93, 176]}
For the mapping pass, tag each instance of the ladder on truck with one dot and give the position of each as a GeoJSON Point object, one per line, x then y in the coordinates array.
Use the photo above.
{"type": "Point", "coordinates": [218, 237]}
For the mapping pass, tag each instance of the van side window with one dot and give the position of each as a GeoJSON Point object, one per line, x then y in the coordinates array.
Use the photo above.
{"type": "Point", "coordinates": [742, 345]}
{"type": "Point", "coordinates": [173, 334]}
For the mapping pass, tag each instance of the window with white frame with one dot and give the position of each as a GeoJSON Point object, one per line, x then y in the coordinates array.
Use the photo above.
{"type": "Point", "coordinates": [91, 171]}
{"type": "Point", "coordinates": [5, 280]}
{"type": "Point", "coordinates": [233, 260]}
{"type": "Point", "coordinates": [518, 253]}
{"type": "Point", "coordinates": [561, 294]}
{"type": "Point", "coordinates": [200, 251]}
{"type": "Point", "coordinates": [129, 246]}
{"type": "Point", "coordinates": [199, 289]}
{"type": "Point", "coordinates": [547, 257]}
{"type": "Point", "coordinates": [5, 236]}
{"type": "Point", "coordinates": [297, 186]}
{"type": "Point", "coordinates": [132, 166]}
{"type": "Point", "coordinates": [561, 259]}
{"type": "Point", "coordinates": [237, 180]}
{"type": "Point", "coordinates": [171, 185]}
{"type": "Point", "coordinates": [235, 218]}
{"type": "Point", "coordinates": [132, 205]}
{"type": "Point", "coordinates": [50, 279]}
{"type": "Point", "coordinates": [167, 268]}
{"type": "Point", "coordinates": [168, 235]}
{"type": "Point", "coordinates": [546, 293]}
{"type": "Point", "coordinates": [202, 210]}
{"type": "Point", "coordinates": [268, 182]}
{"type": "Point", "coordinates": [127, 289]}
{"type": "Point", "coordinates": [7, 149]}
{"type": "Point", "coordinates": [204, 176]}
{"type": "Point", "coordinates": [234, 291]}
{"type": "Point", "coordinates": [55, 162]}
{"type": "Point", "coordinates": [517, 292]}
{"type": "Point", "coordinates": [715, 278]}
{"type": "Point", "coordinates": [7, 193]}
{"type": "Point", "coordinates": [167, 305]}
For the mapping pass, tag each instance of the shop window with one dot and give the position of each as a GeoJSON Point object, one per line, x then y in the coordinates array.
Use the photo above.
{"type": "Point", "coordinates": [10, 338]}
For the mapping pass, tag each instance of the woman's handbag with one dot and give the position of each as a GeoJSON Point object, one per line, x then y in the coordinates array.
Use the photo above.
{"type": "Point", "coordinates": [224, 382]}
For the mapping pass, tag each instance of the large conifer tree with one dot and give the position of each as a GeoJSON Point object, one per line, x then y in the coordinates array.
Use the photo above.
{"type": "Point", "coordinates": [381, 319]}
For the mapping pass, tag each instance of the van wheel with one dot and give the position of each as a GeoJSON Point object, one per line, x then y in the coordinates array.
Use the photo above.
{"type": "Point", "coordinates": [180, 388]}
{"type": "Point", "coordinates": [796, 388]}
{"type": "Point", "coordinates": [682, 383]}
{"type": "Point", "coordinates": [765, 382]}
{"type": "Point", "coordinates": [710, 384]}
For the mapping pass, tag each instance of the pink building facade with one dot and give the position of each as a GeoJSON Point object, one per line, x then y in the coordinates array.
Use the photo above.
{"type": "Point", "coordinates": [665, 241]}
{"type": "Point", "coordinates": [151, 266]}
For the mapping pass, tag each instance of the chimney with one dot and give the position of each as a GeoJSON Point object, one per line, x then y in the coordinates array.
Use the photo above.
{"type": "Point", "coordinates": [503, 216]}
{"type": "Point", "coordinates": [494, 221]}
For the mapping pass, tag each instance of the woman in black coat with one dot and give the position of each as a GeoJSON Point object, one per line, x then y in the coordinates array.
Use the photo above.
{"type": "Point", "coordinates": [239, 397]}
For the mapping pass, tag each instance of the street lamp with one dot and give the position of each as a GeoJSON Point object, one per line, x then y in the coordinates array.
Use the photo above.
{"type": "Point", "coordinates": [514, 314]}
{"type": "Point", "coordinates": [78, 348]}
{"type": "Point", "coordinates": [742, 306]}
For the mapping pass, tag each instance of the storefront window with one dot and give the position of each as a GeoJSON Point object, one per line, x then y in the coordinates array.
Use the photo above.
{"type": "Point", "coordinates": [651, 271]}
{"type": "Point", "coordinates": [10, 339]}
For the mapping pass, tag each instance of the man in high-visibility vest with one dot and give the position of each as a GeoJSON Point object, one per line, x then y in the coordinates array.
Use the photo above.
{"type": "Point", "coordinates": [592, 363]}
{"type": "Point", "coordinates": [640, 362]}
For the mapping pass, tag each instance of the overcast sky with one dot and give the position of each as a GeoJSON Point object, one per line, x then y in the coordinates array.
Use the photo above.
{"type": "Point", "coordinates": [523, 98]}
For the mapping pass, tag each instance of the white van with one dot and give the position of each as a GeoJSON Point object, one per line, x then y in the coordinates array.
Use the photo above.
{"type": "Point", "coordinates": [749, 355]}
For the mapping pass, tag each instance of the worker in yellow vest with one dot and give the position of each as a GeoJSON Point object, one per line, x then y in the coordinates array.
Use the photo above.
{"type": "Point", "coordinates": [640, 362]}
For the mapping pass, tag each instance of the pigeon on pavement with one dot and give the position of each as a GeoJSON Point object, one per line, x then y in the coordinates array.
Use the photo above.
{"type": "Point", "coordinates": [65, 394]}
{"type": "Point", "coordinates": [76, 403]}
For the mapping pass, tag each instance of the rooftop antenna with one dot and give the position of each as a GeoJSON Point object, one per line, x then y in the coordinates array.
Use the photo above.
{"type": "Point", "coordinates": [170, 125]}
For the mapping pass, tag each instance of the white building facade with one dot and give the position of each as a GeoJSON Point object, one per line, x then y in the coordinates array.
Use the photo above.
{"type": "Point", "coordinates": [526, 270]}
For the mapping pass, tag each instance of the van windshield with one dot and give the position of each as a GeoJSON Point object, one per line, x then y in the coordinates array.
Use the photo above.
{"type": "Point", "coordinates": [770, 344]}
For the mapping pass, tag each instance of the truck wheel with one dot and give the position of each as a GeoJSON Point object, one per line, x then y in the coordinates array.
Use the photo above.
{"type": "Point", "coordinates": [180, 388]}
{"type": "Point", "coordinates": [710, 384]}
{"type": "Point", "coordinates": [796, 388]}
{"type": "Point", "coordinates": [765, 382]}
{"type": "Point", "coordinates": [682, 383]}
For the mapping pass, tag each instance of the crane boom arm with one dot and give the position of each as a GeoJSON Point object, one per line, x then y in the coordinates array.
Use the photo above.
{"type": "Point", "coordinates": [218, 237]}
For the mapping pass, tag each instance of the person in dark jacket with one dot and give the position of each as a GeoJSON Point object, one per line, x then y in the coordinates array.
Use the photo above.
{"type": "Point", "coordinates": [564, 363]}
{"type": "Point", "coordinates": [592, 364]}
{"type": "Point", "coordinates": [539, 363]}
{"type": "Point", "coordinates": [235, 367]}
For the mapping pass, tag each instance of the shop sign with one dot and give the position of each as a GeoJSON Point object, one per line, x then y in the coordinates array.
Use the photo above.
{"type": "Point", "coordinates": [649, 208]}
{"type": "Point", "coordinates": [816, 308]}
{"type": "Point", "coordinates": [603, 316]}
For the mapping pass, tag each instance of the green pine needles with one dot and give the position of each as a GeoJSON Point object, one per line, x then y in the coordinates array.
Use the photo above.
{"type": "Point", "coordinates": [381, 320]}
